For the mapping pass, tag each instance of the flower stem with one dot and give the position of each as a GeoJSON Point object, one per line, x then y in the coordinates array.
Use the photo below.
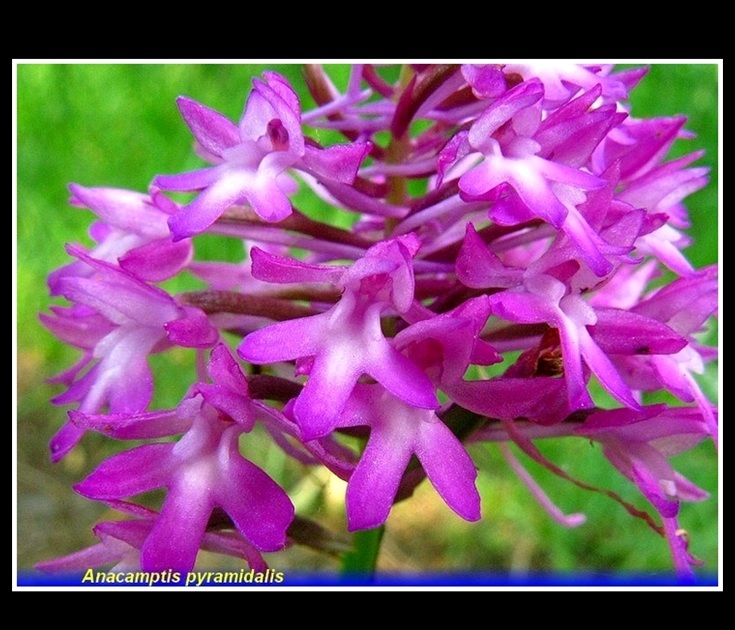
{"type": "Point", "coordinates": [363, 558]}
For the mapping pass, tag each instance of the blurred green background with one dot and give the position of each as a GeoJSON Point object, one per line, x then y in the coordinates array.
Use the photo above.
{"type": "Point", "coordinates": [118, 125]}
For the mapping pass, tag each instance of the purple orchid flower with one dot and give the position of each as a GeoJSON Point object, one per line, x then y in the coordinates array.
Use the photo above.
{"type": "Point", "coordinates": [445, 345]}
{"type": "Point", "coordinates": [119, 546]}
{"type": "Point", "coordinates": [562, 79]}
{"type": "Point", "coordinates": [639, 443]}
{"type": "Point", "coordinates": [638, 146]}
{"type": "Point", "coordinates": [398, 431]}
{"type": "Point", "coordinates": [123, 320]}
{"type": "Point", "coordinates": [683, 306]}
{"type": "Point", "coordinates": [346, 341]}
{"type": "Point", "coordinates": [545, 299]}
{"type": "Point", "coordinates": [251, 158]}
{"type": "Point", "coordinates": [502, 247]}
{"type": "Point", "coordinates": [121, 543]}
{"type": "Point", "coordinates": [132, 232]}
{"type": "Point", "coordinates": [202, 471]}
{"type": "Point", "coordinates": [523, 183]}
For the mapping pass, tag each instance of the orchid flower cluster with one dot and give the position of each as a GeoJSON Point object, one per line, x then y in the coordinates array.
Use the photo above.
{"type": "Point", "coordinates": [512, 271]}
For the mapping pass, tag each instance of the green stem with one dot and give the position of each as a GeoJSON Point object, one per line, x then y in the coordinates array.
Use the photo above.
{"type": "Point", "coordinates": [363, 558]}
{"type": "Point", "coordinates": [397, 151]}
